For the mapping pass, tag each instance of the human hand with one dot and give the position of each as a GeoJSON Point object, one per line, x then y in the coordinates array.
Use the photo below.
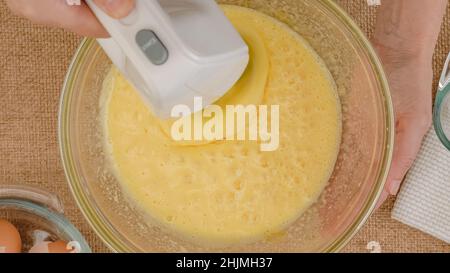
{"type": "Point", "coordinates": [405, 37]}
{"type": "Point", "coordinates": [77, 18]}
{"type": "Point", "coordinates": [410, 77]}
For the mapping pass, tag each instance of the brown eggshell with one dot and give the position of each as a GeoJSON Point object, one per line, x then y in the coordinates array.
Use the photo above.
{"type": "Point", "coordinates": [58, 247]}
{"type": "Point", "coordinates": [10, 241]}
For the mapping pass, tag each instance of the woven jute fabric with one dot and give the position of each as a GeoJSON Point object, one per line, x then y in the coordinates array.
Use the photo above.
{"type": "Point", "coordinates": [33, 63]}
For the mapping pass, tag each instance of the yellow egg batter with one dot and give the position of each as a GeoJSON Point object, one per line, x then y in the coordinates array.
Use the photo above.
{"type": "Point", "coordinates": [230, 192]}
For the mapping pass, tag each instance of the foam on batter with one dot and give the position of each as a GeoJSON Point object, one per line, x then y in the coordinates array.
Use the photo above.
{"type": "Point", "coordinates": [230, 192]}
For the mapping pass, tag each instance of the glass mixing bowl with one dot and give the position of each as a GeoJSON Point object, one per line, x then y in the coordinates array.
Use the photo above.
{"type": "Point", "coordinates": [351, 194]}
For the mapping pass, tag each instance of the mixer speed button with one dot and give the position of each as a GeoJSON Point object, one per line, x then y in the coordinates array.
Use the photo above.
{"type": "Point", "coordinates": [152, 47]}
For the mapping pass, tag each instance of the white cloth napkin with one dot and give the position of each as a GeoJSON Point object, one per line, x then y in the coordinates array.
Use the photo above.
{"type": "Point", "coordinates": [424, 200]}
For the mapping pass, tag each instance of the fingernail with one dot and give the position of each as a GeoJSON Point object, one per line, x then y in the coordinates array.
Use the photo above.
{"type": "Point", "coordinates": [119, 8]}
{"type": "Point", "coordinates": [394, 187]}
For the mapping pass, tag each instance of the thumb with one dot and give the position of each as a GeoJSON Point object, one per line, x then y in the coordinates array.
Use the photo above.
{"type": "Point", "coordinates": [116, 8]}
{"type": "Point", "coordinates": [408, 141]}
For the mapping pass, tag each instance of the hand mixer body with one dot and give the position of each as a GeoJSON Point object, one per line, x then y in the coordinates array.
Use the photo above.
{"type": "Point", "coordinates": [175, 50]}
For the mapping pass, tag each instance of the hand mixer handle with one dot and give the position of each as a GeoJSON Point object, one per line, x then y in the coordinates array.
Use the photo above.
{"type": "Point", "coordinates": [174, 50]}
{"type": "Point", "coordinates": [137, 33]}
{"type": "Point", "coordinates": [139, 46]}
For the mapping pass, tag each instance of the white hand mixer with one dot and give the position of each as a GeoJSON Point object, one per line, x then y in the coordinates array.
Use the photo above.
{"type": "Point", "coordinates": [175, 50]}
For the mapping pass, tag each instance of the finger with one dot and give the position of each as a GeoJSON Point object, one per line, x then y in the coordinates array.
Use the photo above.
{"type": "Point", "coordinates": [116, 8]}
{"type": "Point", "coordinates": [81, 20]}
{"type": "Point", "coordinates": [408, 140]}
{"type": "Point", "coordinates": [58, 13]}
{"type": "Point", "coordinates": [384, 196]}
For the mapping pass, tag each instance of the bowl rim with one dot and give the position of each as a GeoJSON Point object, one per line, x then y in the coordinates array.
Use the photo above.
{"type": "Point", "coordinates": [105, 230]}
{"type": "Point", "coordinates": [371, 203]}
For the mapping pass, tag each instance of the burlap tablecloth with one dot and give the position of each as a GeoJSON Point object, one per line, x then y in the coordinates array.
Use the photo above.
{"type": "Point", "coordinates": [33, 63]}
